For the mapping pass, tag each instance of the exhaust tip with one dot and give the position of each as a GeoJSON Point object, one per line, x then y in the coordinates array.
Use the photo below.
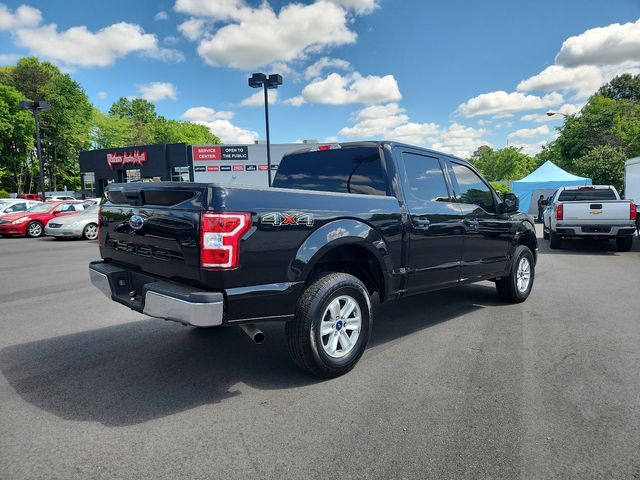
{"type": "Point", "coordinates": [253, 332]}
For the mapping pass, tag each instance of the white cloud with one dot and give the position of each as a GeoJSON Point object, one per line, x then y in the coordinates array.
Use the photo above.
{"type": "Point", "coordinates": [102, 95]}
{"type": "Point", "coordinates": [294, 101]}
{"type": "Point", "coordinates": [376, 120]}
{"type": "Point", "coordinates": [156, 91]}
{"type": "Point", "coordinates": [171, 40]}
{"type": "Point", "coordinates": [257, 99]}
{"type": "Point", "coordinates": [530, 132]}
{"type": "Point", "coordinates": [336, 89]}
{"type": "Point", "coordinates": [161, 15]}
{"type": "Point", "coordinates": [567, 109]}
{"type": "Point", "coordinates": [360, 7]}
{"type": "Point", "coordinates": [587, 61]}
{"type": "Point", "coordinates": [610, 45]}
{"type": "Point", "coordinates": [391, 122]}
{"type": "Point", "coordinates": [501, 103]}
{"type": "Point", "coordinates": [254, 37]}
{"type": "Point", "coordinates": [230, 133]}
{"type": "Point", "coordinates": [219, 124]}
{"type": "Point", "coordinates": [206, 114]}
{"type": "Point", "coordinates": [585, 79]}
{"type": "Point", "coordinates": [315, 70]}
{"type": "Point", "coordinates": [23, 17]}
{"type": "Point", "coordinates": [460, 140]}
{"type": "Point", "coordinates": [194, 28]}
{"type": "Point", "coordinates": [78, 46]}
{"type": "Point", "coordinates": [8, 58]}
{"type": "Point", "coordinates": [530, 148]}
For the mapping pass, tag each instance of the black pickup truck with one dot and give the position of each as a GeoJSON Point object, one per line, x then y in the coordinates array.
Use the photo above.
{"type": "Point", "coordinates": [340, 222]}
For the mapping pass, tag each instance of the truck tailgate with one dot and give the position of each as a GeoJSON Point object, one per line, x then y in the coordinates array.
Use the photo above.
{"type": "Point", "coordinates": [154, 229]}
{"type": "Point", "coordinates": [596, 212]}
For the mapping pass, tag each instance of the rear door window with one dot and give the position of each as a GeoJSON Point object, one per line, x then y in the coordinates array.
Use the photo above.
{"type": "Point", "coordinates": [424, 180]}
{"type": "Point", "coordinates": [343, 170]}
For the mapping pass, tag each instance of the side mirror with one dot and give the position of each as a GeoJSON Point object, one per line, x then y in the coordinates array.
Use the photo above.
{"type": "Point", "coordinates": [510, 203]}
{"type": "Point", "coordinates": [56, 212]}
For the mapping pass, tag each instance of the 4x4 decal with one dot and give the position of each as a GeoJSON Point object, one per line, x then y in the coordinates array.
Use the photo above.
{"type": "Point", "coordinates": [278, 219]}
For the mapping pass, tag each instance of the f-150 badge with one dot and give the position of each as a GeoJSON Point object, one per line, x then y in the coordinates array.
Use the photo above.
{"type": "Point", "coordinates": [278, 219]}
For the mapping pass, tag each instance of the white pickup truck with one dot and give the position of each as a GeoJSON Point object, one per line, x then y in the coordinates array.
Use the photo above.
{"type": "Point", "coordinates": [591, 212]}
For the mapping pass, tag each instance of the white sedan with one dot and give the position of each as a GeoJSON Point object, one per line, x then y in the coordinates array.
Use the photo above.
{"type": "Point", "coordinates": [15, 205]}
{"type": "Point", "coordinates": [83, 225]}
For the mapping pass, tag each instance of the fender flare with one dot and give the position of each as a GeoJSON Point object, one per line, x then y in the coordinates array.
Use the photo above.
{"type": "Point", "coordinates": [335, 234]}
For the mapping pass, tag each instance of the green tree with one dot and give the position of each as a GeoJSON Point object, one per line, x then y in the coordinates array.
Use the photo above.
{"type": "Point", "coordinates": [16, 141]}
{"type": "Point", "coordinates": [110, 131]}
{"type": "Point", "coordinates": [143, 115]}
{"type": "Point", "coordinates": [603, 121]}
{"type": "Point", "coordinates": [604, 164]}
{"type": "Point", "coordinates": [622, 87]}
{"type": "Point", "coordinates": [507, 163]}
{"type": "Point", "coordinates": [174, 131]}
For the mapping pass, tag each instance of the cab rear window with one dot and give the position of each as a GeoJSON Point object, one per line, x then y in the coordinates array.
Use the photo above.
{"type": "Point", "coordinates": [586, 195]}
{"type": "Point", "coordinates": [344, 170]}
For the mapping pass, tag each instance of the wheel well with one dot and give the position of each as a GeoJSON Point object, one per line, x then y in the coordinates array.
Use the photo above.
{"type": "Point", "coordinates": [354, 260]}
{"type": "Point", "coordinates": [529, 240]}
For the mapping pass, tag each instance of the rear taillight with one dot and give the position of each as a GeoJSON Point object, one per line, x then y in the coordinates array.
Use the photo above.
{"type": "Point", "coordinates": [633, 212]}
{"type": "Point", "coordinates": [220, 238]}
{"type": "Point", "coordinates": [559, 211]}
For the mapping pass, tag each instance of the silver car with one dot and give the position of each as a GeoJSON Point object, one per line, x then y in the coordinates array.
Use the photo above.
{"type": "Point", "coordinates": [83, 225]}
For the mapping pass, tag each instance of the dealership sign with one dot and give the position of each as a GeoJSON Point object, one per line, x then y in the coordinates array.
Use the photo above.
{"type": "Point", "coordinates": [136, 158]}
{"type": "Point", "coordinates": [204, 153]}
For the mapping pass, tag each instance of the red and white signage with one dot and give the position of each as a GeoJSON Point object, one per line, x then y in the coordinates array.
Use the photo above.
{"type": "Point", "coordinates": [238, 168]}
{"type": "Point", "coordinates": [263, 167]}
{"type": "Point", "coordinates": [204, 153]}
{"type": "Point", "coordinates": [136, 158]}
{"type": "Point", "coordinates": [213, 168]}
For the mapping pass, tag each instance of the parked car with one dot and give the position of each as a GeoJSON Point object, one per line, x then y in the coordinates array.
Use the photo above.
{"type": "Point", "coordinates": [31, 196]}
{"type": "Point", "coordinates": [84, 225]}
{"type": "Point", "coordinates": [341, 222]}
{"type": "Point", "coordinates": [32, 222]}
{"type": "Point", "coordinates": [91, 201]}
{"type": "Point", "coordinates": [55, 198]}
{"type": "Point", "coordinates": [15, 205]}
{"type": "Point", "coordinates": [590, 212]}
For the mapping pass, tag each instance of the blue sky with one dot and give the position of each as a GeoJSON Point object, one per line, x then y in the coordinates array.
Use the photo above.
{"type": "Point", "coordinates": [450, 75]}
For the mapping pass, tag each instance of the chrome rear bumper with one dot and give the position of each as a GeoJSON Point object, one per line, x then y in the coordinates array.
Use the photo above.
{"type": "Point", "coordinates": [156, 297]}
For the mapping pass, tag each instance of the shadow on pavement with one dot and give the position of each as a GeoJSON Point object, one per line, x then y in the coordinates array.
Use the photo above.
{"type": "Point", "coordinates": [578, 246]}
{"type": "Point", "coordinates": [135, 372]}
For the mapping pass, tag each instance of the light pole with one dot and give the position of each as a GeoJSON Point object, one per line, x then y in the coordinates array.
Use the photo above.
{"type": "Point", "coordinates": [272, 81]}
{"type": "Point", "coordinates": [36, 108]}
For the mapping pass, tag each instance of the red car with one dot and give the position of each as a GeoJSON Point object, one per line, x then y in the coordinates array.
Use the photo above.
{"type": "Point", "coordinates": [31, 222]}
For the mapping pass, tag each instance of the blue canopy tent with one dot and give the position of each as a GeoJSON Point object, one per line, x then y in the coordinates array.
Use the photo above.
{"type": "Point", "coordinates": [543, 181]}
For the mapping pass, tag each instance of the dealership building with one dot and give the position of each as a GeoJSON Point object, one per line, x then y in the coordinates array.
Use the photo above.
{"type": "Point", "coordinates": [179, 162]}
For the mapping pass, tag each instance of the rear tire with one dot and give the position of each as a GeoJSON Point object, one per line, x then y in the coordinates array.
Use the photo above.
{"type": "Point", "coordinates": [624, 244]}
{"type": "Point", "coordinates": [517, 285]}
{"type": "Point", "coordinates": [555, 240]}
{"type": "Point", "coordinates": [331, 327]}
{"type": "Point", "coordinates": [90, 232]}
{"type": "Point", "coordinates": [34, 229]}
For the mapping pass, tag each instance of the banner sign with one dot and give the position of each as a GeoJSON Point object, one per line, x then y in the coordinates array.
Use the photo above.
{"type": "Point", "coordinates": [219, 152]}
{"type": "Point", "coordinates": [136, 158]}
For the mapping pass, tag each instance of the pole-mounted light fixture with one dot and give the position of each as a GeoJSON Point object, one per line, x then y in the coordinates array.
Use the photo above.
{"type": "Point", "coordinates": [267, 82]}
{"type": "Point", "coordinates": [36, 108]}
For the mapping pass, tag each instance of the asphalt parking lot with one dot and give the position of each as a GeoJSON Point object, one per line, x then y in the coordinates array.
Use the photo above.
{"type": "Point", "coordinates": [454, 384]}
